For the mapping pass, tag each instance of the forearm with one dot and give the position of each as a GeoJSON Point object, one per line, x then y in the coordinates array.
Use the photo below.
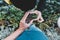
{"type": "Point", "coordinates": [14, 35]}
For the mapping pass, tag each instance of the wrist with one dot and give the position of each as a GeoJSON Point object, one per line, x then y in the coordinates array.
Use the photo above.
{"type": "Point", "coordinates": [22, 29]}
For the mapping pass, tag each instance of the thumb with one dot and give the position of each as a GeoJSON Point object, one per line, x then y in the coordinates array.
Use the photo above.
{"type": "Point", "coordinates": [41, 20]}
{"type": "Point", "coordinates": [30, 22]}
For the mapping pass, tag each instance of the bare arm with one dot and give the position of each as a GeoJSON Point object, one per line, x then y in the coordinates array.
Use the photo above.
{"type": "Point", "coordinates": [23, 25]}
{"type": "Point", "coordinates": [14, 35]}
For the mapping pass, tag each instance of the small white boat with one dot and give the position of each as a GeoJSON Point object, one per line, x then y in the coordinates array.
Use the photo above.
{"type": "Point", "coordinates": [58, 22]}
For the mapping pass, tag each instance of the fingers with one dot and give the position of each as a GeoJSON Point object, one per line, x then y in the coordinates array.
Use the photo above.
{"type": "Point", "coordinates": [27, 13]}
{"type": "Point", "coordinates": [30, 22]}
{"type": "Point", "coordinates": [40, 19]}
{"type": "Point", "coordinates": [35, 12]}
{"type": "Point", "coordinates": [25, 16]}
{"type": "Point", "coordinates": [24, 23]}
{"type": "Point", "coordinates": [38, 14]}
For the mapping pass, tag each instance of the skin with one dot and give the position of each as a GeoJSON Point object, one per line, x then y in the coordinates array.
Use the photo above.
{"type": "Point", "coordinates": [23, 25]}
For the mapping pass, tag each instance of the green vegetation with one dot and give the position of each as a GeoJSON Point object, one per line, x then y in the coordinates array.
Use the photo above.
{"type": "Point", "coordinates": [10, 15]}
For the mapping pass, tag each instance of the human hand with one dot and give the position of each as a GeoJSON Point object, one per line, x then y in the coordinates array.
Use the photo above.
{"type": "Point", "coordinates": [23, 25]}
{"type": "Point", "coordinates": [38, 13]}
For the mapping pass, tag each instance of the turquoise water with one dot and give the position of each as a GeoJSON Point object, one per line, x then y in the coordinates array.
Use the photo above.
{"type": "Point", "coordinates": [33, 33]}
